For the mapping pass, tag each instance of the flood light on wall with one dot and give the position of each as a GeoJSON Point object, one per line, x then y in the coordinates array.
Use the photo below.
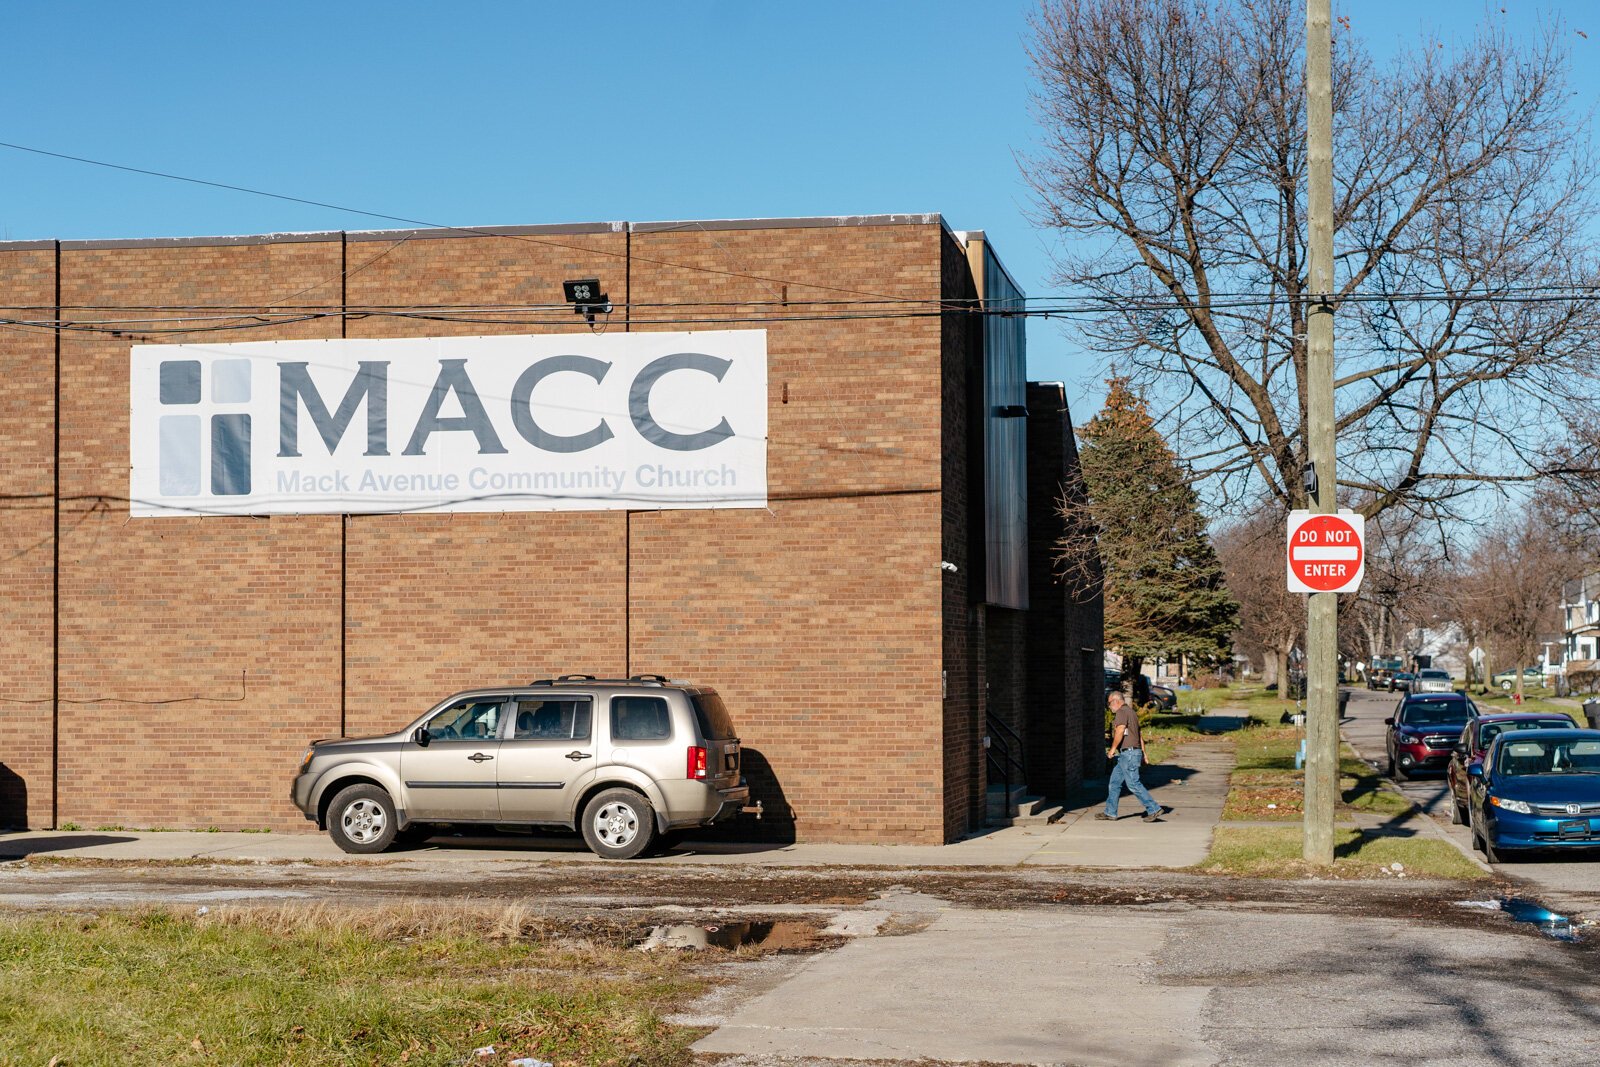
{"type": "Point", "coordinates": [586, 297]}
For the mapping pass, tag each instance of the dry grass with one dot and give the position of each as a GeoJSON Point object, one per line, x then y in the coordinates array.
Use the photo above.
{"type": "Point", "coordinates": [1269, 852]}
{"type": "Point", "coordinates": [323, 984]}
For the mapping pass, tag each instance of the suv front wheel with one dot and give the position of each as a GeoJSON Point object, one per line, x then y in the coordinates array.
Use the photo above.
{"type": "Point", "coordinates": [361, 819]}
{"type": "Point", "coordinates": [618, 824]}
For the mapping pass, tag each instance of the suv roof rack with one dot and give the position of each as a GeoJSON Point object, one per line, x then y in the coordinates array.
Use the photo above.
{"type": "Point", "coordinates": [568, 679]}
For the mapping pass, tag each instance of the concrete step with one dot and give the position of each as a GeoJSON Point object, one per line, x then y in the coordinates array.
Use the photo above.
{"type": "Point", "coordinates": [1040, 814]}
{"type": "Point", "coordinates": [1000, 806]}
{"type": "Point", "coordinates": [1025, 809]}
{"type": "Point", "coordinates": [1030, 805]}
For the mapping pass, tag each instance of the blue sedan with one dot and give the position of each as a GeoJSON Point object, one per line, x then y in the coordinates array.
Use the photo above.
{"type": "Point", "coordinates": [1537, 789]}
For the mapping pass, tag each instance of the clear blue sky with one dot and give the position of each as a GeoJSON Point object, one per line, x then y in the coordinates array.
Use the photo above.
{"type": "Point", "coordinates": [506, 113]}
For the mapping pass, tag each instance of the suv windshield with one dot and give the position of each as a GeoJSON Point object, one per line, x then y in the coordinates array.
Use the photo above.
{"type": "Point", "coordinates": [715, 724]}
{"type": "Point", "coordinates": [1435, 712]}
{"type": "Point", "coordinates": [1549, 756]}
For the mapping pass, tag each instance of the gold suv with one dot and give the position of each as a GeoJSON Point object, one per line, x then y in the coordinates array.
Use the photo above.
{"type": "Point", "coordinates": [624, 761]}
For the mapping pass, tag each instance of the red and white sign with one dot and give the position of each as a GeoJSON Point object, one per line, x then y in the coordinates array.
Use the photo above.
{"type": "Point", "coordinates": [1325, 553]}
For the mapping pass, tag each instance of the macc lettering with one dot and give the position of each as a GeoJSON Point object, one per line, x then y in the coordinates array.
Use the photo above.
{"type": "Point", "coordinates": [296, 387]}
{"type": "Point", "coordinates": [297, 390]}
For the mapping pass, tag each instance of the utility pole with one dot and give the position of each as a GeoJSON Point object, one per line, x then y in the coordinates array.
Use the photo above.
{"type": "Point", "coordinates": [1322, 609]}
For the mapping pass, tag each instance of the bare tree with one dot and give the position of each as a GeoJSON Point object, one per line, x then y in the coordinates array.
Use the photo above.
{"type": "Point", "coordinates": [1272, 620]}
{"type": "Point", "coordinates": [1406, 565]}
{"type": "Point", "coordinates": [1173, 165]}
{"type": "Point", "coordinates": [1508, 590]}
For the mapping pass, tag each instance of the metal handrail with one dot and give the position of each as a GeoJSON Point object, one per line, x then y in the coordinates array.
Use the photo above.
{"type": "Point", "coordinates": [1004, 727]}
{"type": "Point", "coordinates": [998, 732]}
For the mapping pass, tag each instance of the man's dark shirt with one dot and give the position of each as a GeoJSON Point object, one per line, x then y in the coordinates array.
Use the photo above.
{"type": "Point", "coordinates": [1127, 718]}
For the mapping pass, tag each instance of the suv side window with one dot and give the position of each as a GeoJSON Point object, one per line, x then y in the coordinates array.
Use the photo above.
{"type": "Point", "coordinates": [640, 719]}
{"type": "Point", "coordinates": [476, 718]}
{"type": "Point", "coordinates": [713, 718]}
{"type": "Point", "coordinates": [545, 719]}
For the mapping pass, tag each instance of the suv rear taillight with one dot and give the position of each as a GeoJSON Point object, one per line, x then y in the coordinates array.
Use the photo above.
{"type": "Point", "coordinates": [697, 762]}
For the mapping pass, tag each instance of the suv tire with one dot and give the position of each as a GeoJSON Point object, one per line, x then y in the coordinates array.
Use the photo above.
{"type": "Point", "coordinates": [361, 819]}
{"type": "Point", "coordinates": [618, 824]}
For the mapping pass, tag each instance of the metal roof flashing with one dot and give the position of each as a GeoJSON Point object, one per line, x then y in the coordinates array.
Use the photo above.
{"type": "Point", "coordinates": [430, 233]}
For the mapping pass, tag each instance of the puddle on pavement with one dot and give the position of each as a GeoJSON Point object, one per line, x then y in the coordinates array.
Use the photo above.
{"type": "Point", "coordinates": [731, 935]}
{"type": "Point", "coordinates": [1518, 909]}
{"type": "Point", "coordinates": [1549, 923]}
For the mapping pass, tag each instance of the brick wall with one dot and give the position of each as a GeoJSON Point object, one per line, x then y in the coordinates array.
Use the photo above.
{"type": "Point", "coordinates": [1054, 705]}
{"type": "Point", "coordinates": [436, 603]}
{"type": "Point", "coordinates": [197, 656]}
{"type": "Point", "coordinates": [960, 534]}
{"type": "Point", "coordinates": [1065, 634]}
{"type": "Point", "coordinates": [1006, 693]}
{"type": "Point", "coordinates": [27, 518]}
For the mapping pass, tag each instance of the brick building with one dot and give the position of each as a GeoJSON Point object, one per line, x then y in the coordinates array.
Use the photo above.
{"type": "Point", "coordinates": [866, 626]}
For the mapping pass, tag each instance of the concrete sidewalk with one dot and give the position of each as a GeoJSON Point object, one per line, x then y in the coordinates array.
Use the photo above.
{"type": "Point", "coordinates": [1194, 784]}
{"type": "Point", "coordinates": [1031, 987]}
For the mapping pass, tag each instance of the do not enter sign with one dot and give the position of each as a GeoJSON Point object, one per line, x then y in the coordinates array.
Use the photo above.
{"type": "Point", "coordinates": [1325, 552]}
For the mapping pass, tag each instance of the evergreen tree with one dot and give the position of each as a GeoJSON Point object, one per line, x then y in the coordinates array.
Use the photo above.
{"type": "Point", "coordinates": [1162, 581]}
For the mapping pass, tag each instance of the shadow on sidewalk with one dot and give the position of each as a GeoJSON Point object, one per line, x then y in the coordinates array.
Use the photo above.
{"type": "Point", "coordinates": [1154, 776]}
{"type": "Point", "coordinates": [21, 848]}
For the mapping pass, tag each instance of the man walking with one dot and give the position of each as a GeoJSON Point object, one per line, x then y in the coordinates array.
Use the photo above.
{"type": "Point", "coordinates": [1127, 750]}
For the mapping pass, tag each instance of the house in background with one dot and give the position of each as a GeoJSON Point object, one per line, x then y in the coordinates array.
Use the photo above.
{"type": "Point", "coordinates": [1580, 619]}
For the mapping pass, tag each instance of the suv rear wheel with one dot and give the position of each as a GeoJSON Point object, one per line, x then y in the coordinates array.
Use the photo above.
{"type": "Point", "coordinates": [361, 819]}
{"type": "Point", "coordinates": [618, 824]}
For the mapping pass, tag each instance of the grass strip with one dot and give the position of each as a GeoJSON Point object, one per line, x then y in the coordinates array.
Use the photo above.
{"type": "Point", "coordinates": [1270, 852]}
{"type": "Point", "coordinates": [314, 985]}
{"type": "Point", "coordinates": [1267, 785]}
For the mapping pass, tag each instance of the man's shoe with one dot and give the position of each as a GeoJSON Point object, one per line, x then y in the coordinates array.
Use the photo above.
{"type": "Point", "coordinates": [1154, 816]}
{"type": "Point", "coordinates": [1103, 817]}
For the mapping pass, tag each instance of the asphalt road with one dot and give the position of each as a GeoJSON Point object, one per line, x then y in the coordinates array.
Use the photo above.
{"type": "Point", "coordinates": [1564, 880]}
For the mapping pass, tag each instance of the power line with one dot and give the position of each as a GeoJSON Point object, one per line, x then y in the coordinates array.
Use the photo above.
{"type": "Point", "coordinates": [243, 317]}
{"type": "Point", "coordinates": [435, 225]}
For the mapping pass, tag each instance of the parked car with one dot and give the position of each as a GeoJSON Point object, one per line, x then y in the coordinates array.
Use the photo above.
{"type": "Point", "coordinates": [1163, 698]}
{"type": "Point", "coordinates": [1432, 680]}
{"type": "Point", "coordinates": [1475, 741]}
{"type": "Point", "coordinates": [1507, 680]}
{"type": "Point", "coordinates": [623, 761]}
{"type": "Point", "coordinates": [1379, 677]}
{"type": "Point", "coordinates": [1536, 789]}
{"type": "Point", "coordinates": [1424, 730]}
{"type": "Point", "coordinates": [1401, 681]}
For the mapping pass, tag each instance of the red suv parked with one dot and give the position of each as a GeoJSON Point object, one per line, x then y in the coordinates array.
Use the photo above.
{"type": "Point", "coordinates": [1475, 741]}
{"type": "Point", "coordinates": [1424, 730]}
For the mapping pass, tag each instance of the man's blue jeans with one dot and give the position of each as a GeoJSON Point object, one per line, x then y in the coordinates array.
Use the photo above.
{"type": "Point", "coordinates": [1126, 770]}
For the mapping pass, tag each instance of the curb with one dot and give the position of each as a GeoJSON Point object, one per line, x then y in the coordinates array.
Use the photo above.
{"type": "Point", "coordinates": [1418, 815]}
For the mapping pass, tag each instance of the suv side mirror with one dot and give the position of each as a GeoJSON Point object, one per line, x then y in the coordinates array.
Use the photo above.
{"type": "Point", "coordinates": [1474, 770]}
{"type": "Point", "coordinates": [421, 736]}
{"type": "Point", "coordinates": [1389, 721]}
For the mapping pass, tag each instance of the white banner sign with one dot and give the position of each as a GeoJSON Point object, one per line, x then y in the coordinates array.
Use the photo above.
{"type": "Point", "coordinates": [560, 422]}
